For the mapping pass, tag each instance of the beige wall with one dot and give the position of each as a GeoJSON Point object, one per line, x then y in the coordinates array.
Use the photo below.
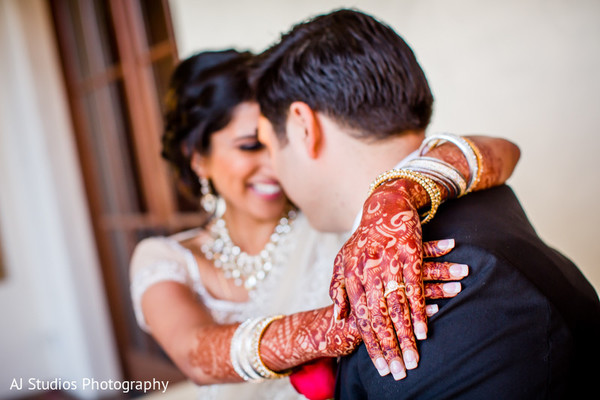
{"type": "Point", "coordinates": [523, 69]}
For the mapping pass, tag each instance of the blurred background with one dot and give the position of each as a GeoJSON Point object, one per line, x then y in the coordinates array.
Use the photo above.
{"type": "Point", "coordinates": [81, 178]}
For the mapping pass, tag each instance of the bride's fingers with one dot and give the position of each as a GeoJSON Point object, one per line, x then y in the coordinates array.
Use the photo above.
{"type": "Point", "coordinates": [437, 248]}
{"type": "Point", "coordinates": [363, 323]}
{"type": "Point", "coordinates": [400, 315]}
{"type": "Point", "coordinates": [431, 309]}
{"type": "Point", "coordinates": [442, 290]}
{"type": "Point", "coordinates": [444, 271]}
{"type": "Point", "coordinates": [382, 324]}
{"type": "Point", "coordinates": [337, 289]}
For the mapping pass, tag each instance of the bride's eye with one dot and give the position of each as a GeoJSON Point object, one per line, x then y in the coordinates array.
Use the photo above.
{"type": "Point", "coordinates": [251, 146]}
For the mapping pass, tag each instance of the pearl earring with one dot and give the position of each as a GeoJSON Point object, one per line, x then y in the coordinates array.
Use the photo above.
{"type": "Point", "coordinates": [208, 201]}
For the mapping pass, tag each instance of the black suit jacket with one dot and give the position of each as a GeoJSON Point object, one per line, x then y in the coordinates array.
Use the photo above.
{"type": "Point", "coordinates": [525, 326]}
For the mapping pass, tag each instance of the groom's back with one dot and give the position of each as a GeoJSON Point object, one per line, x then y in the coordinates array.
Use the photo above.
{"type": "Point", "coordinates": [526, 324]}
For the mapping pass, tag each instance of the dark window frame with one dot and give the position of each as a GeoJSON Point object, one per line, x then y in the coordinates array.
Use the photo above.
{"type": "Point", "coordinates": [111, 83]}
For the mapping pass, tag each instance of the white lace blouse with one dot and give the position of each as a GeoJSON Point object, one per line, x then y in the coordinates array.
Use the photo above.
{"type": "Point", "coordinates": [299, 281]}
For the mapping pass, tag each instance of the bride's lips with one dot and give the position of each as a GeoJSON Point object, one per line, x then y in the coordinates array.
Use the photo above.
{"type": "Point", "coordinates": [266, 190]}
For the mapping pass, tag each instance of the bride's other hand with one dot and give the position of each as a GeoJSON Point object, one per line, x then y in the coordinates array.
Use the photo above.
{"type": "Point", "coordinates": [305, 336]}
{"type": "Point", "coordinates": [379, 275]}
{"type": "Point", "coordinates": [298, 338]}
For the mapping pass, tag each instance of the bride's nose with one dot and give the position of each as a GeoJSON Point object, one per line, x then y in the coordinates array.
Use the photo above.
{"type": "Point", "coordinates": [265, 160]}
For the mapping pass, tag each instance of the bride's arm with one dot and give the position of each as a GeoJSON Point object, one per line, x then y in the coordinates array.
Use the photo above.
{"type": "Point", "coordinates": [391, 212]}
{"type": "Point", "coordinates": [499, 159]}
{"type": "Point", "coordinates": [187, 333]}
{"type": "Point", "coordinates": [201, 348]}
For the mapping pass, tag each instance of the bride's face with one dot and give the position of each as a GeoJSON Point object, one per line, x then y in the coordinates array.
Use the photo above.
{"type": "Point", "coordinates": [240, 170]}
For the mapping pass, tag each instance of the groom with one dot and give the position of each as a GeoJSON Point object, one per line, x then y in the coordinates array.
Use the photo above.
{"type": "Point", "coordinates": [344, 99]}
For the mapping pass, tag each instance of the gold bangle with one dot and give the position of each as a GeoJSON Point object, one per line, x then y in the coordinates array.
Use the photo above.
{"type": "Point", "coordinates": [255, 360]}
{"type": "Point", "coordinates": [479, 164]}
{"type": "Point", "coordinates": [435, 195]}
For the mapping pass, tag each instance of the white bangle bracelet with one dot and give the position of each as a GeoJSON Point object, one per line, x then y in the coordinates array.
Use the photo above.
{"type": "Point", "coordinates": [441, 170]}
{"type": "Point", "coordinates": [235, 350]}
{"type": "Point", "coordinates": [239, 350]}
{"type": "Point", "coordinates": [433, 141]}
{"type": "Point", "coordinates": [254, 355]}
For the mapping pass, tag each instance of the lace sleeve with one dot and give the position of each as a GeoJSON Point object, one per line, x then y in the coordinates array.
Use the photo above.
{"type": "Point", "coordinates": [154, 260]}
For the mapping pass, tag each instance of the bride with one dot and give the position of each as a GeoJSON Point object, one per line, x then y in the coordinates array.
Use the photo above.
{"type": "Point", "coordinates": [256, 256]}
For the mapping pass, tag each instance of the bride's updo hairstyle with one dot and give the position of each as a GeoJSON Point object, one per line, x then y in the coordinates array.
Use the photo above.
{"type": "Point", "coordinates": [203, 91]}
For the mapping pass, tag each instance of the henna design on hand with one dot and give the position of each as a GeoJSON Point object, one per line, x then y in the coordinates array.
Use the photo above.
{"type": "Point", "coordinates": [387, 247]}
{"type": "Point", "coordinates": [301, 337]}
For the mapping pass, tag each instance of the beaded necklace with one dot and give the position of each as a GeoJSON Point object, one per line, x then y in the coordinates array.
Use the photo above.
{"type": "Point", "coordinates": [243, 268]}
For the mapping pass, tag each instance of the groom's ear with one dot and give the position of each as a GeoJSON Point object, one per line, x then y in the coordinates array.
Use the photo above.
{"type": "Point", "coordinates": [307, 127]}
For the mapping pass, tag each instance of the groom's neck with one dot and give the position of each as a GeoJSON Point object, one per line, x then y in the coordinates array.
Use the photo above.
{"type": "Point", "coordinates": [364, 160]}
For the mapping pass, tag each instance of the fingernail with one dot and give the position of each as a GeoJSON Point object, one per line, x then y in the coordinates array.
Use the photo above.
{"type": "Point", "coordinates": [398, 371]}
{"type": "Point", "coordinates": [451, 288]}
{"type": "Point", "coordinates": [446, 244]}
{"type": "Point", "coordinates": [431, 309]}
{"type": "Point", "coordinates": [382, 366]}
{"type": "Point", "coordinates": [459, 270]}
{"type": "Point", "coordinates": [410, 359]}
{"type": "Point", "coordinates": [421, 331]}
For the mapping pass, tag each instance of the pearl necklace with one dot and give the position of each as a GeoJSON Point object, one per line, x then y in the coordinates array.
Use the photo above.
{"type": "Point", "coordinates": [238, 265]}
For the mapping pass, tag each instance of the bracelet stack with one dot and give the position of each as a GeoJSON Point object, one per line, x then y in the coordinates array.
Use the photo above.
{"type": "Point", "coordinates": [469, 150]}
{"type": "Point", "coordinates": [442, 173]}
{"type": "Point", "coordinates": [245, 351]}
{"type": "Point", "coordinates": [427, 183]}
{"type": "Point", "coordinates": [433, 174]}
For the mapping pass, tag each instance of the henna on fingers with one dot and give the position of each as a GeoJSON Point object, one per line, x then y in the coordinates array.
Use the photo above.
{"type": "Point", "coordinates": [437, 248]}
{"type": "Point", "coordinates": [366, 263]}
{"type": "Point", "coordinates": [444, 271]}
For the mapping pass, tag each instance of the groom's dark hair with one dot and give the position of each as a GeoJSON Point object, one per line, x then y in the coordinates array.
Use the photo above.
{"type": "Point", "coordinates": [350, 67]}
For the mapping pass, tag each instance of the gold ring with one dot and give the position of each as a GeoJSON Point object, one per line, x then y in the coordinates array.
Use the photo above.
{"type": "Point", "coordinates": [392, 286]}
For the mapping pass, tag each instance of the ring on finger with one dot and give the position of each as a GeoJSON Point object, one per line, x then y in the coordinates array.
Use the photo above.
{"type": "Point", "coordinates": [392, 286]}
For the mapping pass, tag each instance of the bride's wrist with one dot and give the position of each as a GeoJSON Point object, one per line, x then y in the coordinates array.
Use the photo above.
{"type": "Point", "coordinates": [280, 347]}
{"type": "Point", "coordinates": [412, 188]}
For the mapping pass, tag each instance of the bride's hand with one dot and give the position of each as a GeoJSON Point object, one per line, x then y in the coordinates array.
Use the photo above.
{"type": "Point", "coordinates": [305, 336]}
{"type": "Point", "coordinates": [301, 337]}
{"type": "Point", "coordinates": [383, 253]}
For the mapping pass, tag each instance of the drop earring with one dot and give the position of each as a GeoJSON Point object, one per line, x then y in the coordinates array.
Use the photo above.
{"type": "Point", "coordinates": [208, 201]}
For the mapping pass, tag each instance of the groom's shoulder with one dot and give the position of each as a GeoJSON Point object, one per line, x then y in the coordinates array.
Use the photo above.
{"type": "Point", "coordinates": [521, 297]}
{"type": "Point", "coordinates": [482, 217]}
{"type": "Point", "coordinates": [493, 222]}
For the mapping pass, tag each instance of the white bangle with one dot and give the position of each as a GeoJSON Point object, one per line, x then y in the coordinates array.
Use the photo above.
{"type": "Point", "coordinates": [442, 171]}
{"type": "Point", "coordinates": [244, 350]}
{"type": "Point", "coordinates": [239, 349]}
{"type": "Point", "coordinates": [433, 141]}
{"type": "Point", "coordinates": [254, 355]}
